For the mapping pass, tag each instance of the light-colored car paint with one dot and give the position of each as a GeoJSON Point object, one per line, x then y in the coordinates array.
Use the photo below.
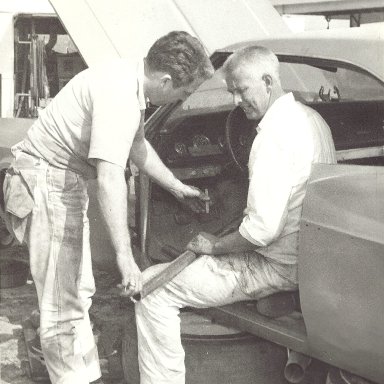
{"type": "Point", "coordinates": [130, 27]}
{"type": "Point", "coordinates": [341, 267]}
{"type": "Point", "coordinates": [362, 47]}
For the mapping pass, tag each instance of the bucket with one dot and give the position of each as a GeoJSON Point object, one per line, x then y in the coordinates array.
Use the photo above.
{"type": "Point", "coordinates": [215, 354]}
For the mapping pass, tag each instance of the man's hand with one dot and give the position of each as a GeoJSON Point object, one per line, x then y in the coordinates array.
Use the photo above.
{"type": "Point", "coordinates": [132, 281]}
{"type": "Point", "coordinates": [203, 243]}
{"type": "Point", "coordinates": [148, 161]}
{"type": "Point", "coordinates": [195, 199]}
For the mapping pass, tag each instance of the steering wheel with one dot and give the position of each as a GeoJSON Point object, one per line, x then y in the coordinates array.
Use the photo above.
{"type": "Point", "coordinates": [239, 135]}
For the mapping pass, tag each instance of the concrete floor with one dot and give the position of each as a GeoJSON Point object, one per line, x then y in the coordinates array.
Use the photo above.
{"type": "Point", "coordinates": [108, 313]}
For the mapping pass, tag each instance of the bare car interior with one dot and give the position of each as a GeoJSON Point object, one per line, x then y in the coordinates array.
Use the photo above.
{"type": "Point", "coordinates": [206, 142]}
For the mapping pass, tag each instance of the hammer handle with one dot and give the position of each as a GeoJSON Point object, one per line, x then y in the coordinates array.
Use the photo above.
{"type": "Point", "coordinates": [174, 267]}
{"type": "Point", "coordinates": [177, 265]}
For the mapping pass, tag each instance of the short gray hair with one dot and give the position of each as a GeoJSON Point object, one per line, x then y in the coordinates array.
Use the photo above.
{"type": "Point", "coordinates": [262, 59]}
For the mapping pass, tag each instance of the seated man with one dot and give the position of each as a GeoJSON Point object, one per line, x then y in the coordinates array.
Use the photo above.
{"type": "Point", "coordinates": [260, 258]}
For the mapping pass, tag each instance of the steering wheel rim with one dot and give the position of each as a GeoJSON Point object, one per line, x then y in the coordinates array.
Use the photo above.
{"type": "Point", "coordinates": [239, 135]}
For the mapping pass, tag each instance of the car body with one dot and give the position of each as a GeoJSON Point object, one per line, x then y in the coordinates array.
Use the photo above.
{"type": "Point", "coordinates": [341, 240]}
{"type": "Point", "coordinates": [341, 262]}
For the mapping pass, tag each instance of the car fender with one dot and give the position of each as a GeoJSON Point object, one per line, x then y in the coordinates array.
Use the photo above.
{"type": "Point", "coordinates": [341, 267]}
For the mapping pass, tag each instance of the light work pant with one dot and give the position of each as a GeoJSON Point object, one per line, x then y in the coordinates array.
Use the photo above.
{"type": "Point", "coordinates": [207, 282]}
{"type": "Point", "coordinates": [47, 210]}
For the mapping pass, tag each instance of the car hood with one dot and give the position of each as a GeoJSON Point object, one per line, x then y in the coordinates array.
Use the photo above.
{"type": "Point", "coordinates": [129, 27]}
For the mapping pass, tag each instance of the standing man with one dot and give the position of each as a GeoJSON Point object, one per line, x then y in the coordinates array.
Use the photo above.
{"type": "Point", "coordinates": [260, 258]}
{"type": "Point", "coordinates": [88, 131]}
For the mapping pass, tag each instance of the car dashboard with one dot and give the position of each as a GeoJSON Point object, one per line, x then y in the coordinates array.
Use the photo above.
{"type": "Point", "coordinates": [195, 147]}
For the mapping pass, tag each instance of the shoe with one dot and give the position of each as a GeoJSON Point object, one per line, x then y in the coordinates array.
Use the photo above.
{"type": "Point", "coordinates": [279, 304]}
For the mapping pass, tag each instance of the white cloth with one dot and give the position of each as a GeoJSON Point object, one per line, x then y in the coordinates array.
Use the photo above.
{"type": "Point", "coordinates": [95, 116]}
{"type": "Point", "coordinates": [207, 282]}
{"type": "Point", "coordinates": [291, 137]}
{"type": "Point", "coordinates": [56, 231]}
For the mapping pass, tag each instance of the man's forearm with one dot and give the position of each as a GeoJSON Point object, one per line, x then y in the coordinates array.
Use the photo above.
{"type": "Point", "coordinates": [113, 202]}
{"type": "Point", "coordinates": [232, 242]}
{"type": "Point", "coordinates": [112, 198]}
{"type": "Point", "coordinates": [148, 161]}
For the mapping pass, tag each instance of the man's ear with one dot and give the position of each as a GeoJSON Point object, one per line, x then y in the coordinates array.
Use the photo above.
{"type": "Point", "coordinates": [267, 80]}
{"type": "Point", "coordinates": [166, 80]}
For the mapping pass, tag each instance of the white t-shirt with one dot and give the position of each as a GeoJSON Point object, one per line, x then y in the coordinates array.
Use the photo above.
{"type": "Point", "coordinates": [291, 137]}
{"type": "Point", "coordinates": [95, 116]}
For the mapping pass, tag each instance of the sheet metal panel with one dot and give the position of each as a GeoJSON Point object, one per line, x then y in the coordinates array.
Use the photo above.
{"type": "Point", "coordinates": [288, 331]}
{"type": "Point", "coordinates": [103, 29]}
{"type": "Point", "coordinates": [362, 47]}
{"type": "Point", "coordinates": [326, 7]}
{"type": "Point", "coordinates": [341, 267]}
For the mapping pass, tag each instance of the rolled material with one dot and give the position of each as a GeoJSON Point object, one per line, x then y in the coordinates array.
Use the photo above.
{"type": "Point", "coordinates": [296, 366]}
{"type": "Point", "coordinates": [177, 265]}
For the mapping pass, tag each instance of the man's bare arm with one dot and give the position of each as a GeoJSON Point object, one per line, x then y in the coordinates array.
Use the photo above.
{"type": "Point", "coordinates": [205, 243]}
{"type": "Point", "coordinates": [112, 198]}
{"type": "Point", "coordinates": [233, 242]}
{"type": "Point", "coordinates": [147, 160]}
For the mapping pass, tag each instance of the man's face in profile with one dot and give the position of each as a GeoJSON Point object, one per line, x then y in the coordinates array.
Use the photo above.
{"type": "Point", "coordinates": [250, 91]}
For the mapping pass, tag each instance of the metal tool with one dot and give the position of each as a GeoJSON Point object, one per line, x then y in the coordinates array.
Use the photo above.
{"type": "Point", "coordinates": [207, 202]}
{"type": "Point", "coordinates": [177, 265]}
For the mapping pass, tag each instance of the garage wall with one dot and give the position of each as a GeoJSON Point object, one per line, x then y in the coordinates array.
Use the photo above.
{"type": "Point", "coordinates": [6, 64]}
